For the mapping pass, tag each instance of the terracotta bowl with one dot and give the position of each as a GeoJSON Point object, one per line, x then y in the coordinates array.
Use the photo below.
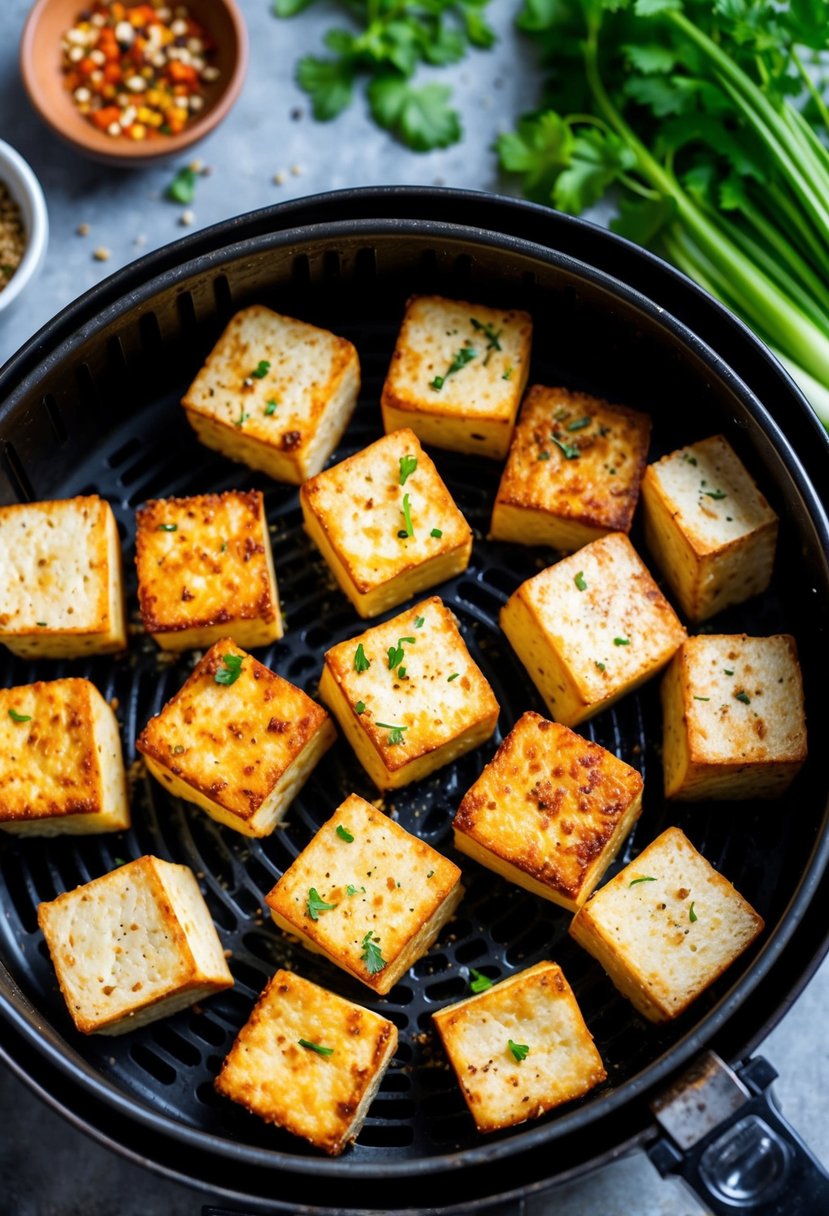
{"type": "Point", "coordinates": [41, 69]}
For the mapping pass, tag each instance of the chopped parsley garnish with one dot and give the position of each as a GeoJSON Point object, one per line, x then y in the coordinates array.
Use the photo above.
{"type": "Point", "coordinates": [178, 750]}
{"type": "Point", "coordinates": [182, 189]}
{"type": "Point", "coordinates": [728, 671]}
{"type": "Point", "coordinates": [545, 455]}
{"type": "Point", "coordinates": [644, 878]}
{"type": "Point", "coordinates": [344, 834]}
{"type": "Point", "coordinates": [242, 419]}
{"type": "Point", "coordinates": [396, 735]}
{"type": "Point", "coordinates": [561, 414]}
{"type": "Point", "coordinates": [317, 905]}
{"type": "Point", "coordinates": [507, 374]}
{"type": "Point", "coordinates": [621, 641]}
{"type": "Point", "coordinates": [41, 623]}
{"type": "Point", "coordinates": [317, 1047]}
{"type": "Point", "coordinates": [230, 670]}
{"type": "Point", "coordinates": [453, 676]}
{"type": "Point", "coordinates": [261, 370]}
{"type": "Point", "coordinates": [429, 875]}
{"type": "Point", "coordinates": [408, 464]}
{"type": "Point", "coordinates": [397, 654]}
{"type": "Point", "coordinates": [352, 890]}
{"type": "Point", "coordinates": [519, 1050]}
{"type": "Point", "coordinates": [579, 424]}
{"type": "Point", "coordinates": [401, 673]}
{"type": "Point", "coordinates": [371, 954]}
{"type": "Point", "coordinates": [600, 666]}
{"type": "Point", "coordinates": [689, 459]}
{"type": "Point", "coordinates": [478, 982]}
{"type": "Point", "coordinates": [744, 697]}
{"type": "Point", "coordinates": [717, 494]}
{"type": "Point", "coordinates": [419, 622]}
{"type": "Point", "coordinates": [489, 333]}
{"type": "Point", "coordinates": [604, 430]}
{"type": "Point", "coordinates": [580, 581]}
{"type": "Point", "coordinates": [16, 717]}
{"type": "Point", "coordinates": [407, 516]}
{"type": "Point", "coordinates": [361, 663]}
{"type": "Point", "coordinates": [360, 707]}
{"type": "Point", "coordinates": [437, 533]}
{"type": "Point", "coordinates": [568, 450]}
{"type": "Point", "coordinates": [270, 408]}
{"type": "Point", "coordinates": [702, 698]}
{"type": "Point", "coordinates": [692, 916]}
{"type": "Point", "coordinates": [167, 528]}
{"type": "Point", "coordinates": [465, 355]}
{"type": "Point", "coordinates": [223, 547]}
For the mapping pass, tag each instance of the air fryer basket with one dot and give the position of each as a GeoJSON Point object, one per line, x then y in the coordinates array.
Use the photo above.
{"type": "Point", "coordinates": [92, 406]}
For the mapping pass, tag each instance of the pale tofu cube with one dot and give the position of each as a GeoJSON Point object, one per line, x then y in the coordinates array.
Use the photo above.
{"type": "Point", "coordinates": [133, 946]}
{"type": "Point", "coordinates": [734, 719]}
{"type": "Point", "coordinates": [457, 374]}
{"type": "Point", "coordinates": [386, 524]}
{"type": "Point", "coordinates": [275, 393]}
{"type": "Point", "coordinates": [709, 528]}
{"type": "Point", "coordinates": [237, 740]}
{"type": "Point", "coordinates": [61, 588]}
{"type": "Point", "coordinates": [520, 1048]}
{"type": "Point", "coordinates": [591, 628]}
{"type": "Point", "coordinates": [309, 1061]}
{"type": "Point", "coordinates": [550, 811]}
{"type": "Point", "coordinates": [205, 571]}
{"type": "Point", "coordinates": [367, 895]}
{"type": "Point", "coordinates": [666, 927]}
{"type": "Point", "coordinates": [573, 472]}
{"type": "Point", "coordinates": [61, 767]}
{"type": "Point", "coordinates": [408, 696]}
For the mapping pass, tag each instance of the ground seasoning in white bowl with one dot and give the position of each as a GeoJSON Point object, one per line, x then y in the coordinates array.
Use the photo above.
{"type": "Point", "coordinates": [12, 236]}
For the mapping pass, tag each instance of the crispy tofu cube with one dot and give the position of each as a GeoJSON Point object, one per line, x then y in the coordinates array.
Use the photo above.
{"type": "Point", "coordinates": [237, 740]}
{"type": "Point", "coordinates": [408, 696]}
{"type": "Point", "coordinates": [309, 1061]}
{"type": "Point", "coordinates": [666, 927]}
{"type": "Point", "coordinates": [275, 393]}
{"type": "Point", "coordinates": [520, 1048]}
{"type": "Point", "coordinates": [61, 589]}
{"type": "Point", "coordinates": [367, 895]}
{"type": "Point", "coordinates": [133, 946]}
{"type": "Point", "coordinates": [205, 571]}
{"type": "Point", "coordinates": [386, 524]}
{"type": "Point", "coordinates": [734, 720]}
{"type": "Point", "coordinates": [573, 471]}
{"type": "Point", "coordinates": [550, 811]}
{"type": "Point", "coordinates": [591, 628]}
{"type": "Point", "coordinates": [457, 374]}
{"type": "Point", "coordinates": [709, 528]}
{"type": "Point", "coordinates": [61, 768]}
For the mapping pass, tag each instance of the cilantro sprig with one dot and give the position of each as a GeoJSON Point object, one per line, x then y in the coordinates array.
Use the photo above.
{"type": "Point", "coordinates": [316, 904]}
{"type": "Point", "coordinates": [465, 355]}
{"type": "Point", "coordinates": [520, 1051]}
{"type": "Point", "coordinates": [230, 669]}
{"type": "Point", "coordinates": [371, 953]}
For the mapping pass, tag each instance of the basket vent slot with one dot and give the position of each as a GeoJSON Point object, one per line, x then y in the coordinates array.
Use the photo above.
{"type": "Point", "coordinates": [14, 470]}
{"type": "Point", "coordinates": [223, 295]}
{"type": "Point", "coordinates": [53, 413]}
{"type": "Point", "coordinates": [147, 1060]}
{"type": "Point", "coordinates": [186, 311]}
{"type": "Point", "coordinates": [386, 1135]}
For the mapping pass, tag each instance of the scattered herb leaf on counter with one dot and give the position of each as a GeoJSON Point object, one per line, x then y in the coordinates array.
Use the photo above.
{"type": "Point", "coordinates": [709, 121]}
{"type": "Point", "coordinates": [182, 189]}
{"type": "Point", "coordinates": [388, 41]}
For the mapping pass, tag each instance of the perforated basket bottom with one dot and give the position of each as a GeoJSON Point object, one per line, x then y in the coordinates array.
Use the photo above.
{"type": "Point", "coordinates": [149, 451]}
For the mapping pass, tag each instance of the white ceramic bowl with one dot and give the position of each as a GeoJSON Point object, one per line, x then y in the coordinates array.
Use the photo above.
{"type": "Point", "coordinates": [25, 189]}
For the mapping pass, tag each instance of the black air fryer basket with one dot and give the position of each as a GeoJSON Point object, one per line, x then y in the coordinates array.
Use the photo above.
{"type": "Point", "coordinates": [91, 405]}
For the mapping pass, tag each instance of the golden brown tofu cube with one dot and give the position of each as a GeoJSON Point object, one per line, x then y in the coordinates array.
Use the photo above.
{"type": "Point", "coordinates": [275, 393]}
{"type": "Point", "coordinates": [550, 811]}
{"type": "Point", "coordinates": [666, 927]}
{"type": "Point", "coordinates": [734, 720]}
{"type": "Point", "coordinates": [367, 895]}
{"type": "Point", "coordinates": [520, 1048]}
{"type": "Point", "coordinates": [61, 768]}
{"type": "Point", "coordinates": [408, 695]}
{"type": "Point", "coordinates": [709, 528]}
{"type": "Point", "coordinates": [591, 628]}
{"type": "Point", "coordinates": [573, 473]}
{"type": "Point", "coordinates": [237, 740]}
{"type": "Point", "coordinates": [61, 589]}
{"type": "Point", "coordinates": [309, 1061]}
{"type": "Point", "coordinates": [386, 524]}
{"type": "Point", "coordinates": [205, 571]}
{"type": "Point", "coordinates": [133, 946]}
{"type": "Point", "coordinates": [457, 374]}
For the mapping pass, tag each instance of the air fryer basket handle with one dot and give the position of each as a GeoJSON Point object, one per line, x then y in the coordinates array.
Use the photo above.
{"type": "Point", "coordinates": [752, 1162]}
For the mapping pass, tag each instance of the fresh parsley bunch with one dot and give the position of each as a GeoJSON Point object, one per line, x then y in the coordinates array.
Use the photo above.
{"type": "Point", "coordinates": [709, 119]}
{"type": "Point", "coordinates": [392, 39]}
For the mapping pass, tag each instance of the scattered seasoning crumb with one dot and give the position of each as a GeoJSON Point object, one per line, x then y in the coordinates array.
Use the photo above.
{"type": "Point", "coordinates": [140, 240]}
{"type": "Point", "coordinates": [297, 170]}
{"type": "Point", "coordinates": [186, 218]}
{"type": "Point", "coordinates": [12, 236]}
{"type": "Point", "coordinates": [280, 178]}
{"type": "Point", "coordinates": [102, 254]}
{"type": "Point", "coordinates": [82, 229]}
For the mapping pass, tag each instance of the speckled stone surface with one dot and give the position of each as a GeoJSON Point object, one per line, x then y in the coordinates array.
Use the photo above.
{"type": "Point", "coordinates": [47, 1168]}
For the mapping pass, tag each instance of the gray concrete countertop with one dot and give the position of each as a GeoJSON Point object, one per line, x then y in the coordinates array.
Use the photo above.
{"type": "Point", "coordinates": [47, 1168]}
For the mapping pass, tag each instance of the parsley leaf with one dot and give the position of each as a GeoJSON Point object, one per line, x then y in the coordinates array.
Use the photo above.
{"type": "Point", "coordinates": [396, 735]}
{"type": "Point", "coordinates": [519, 1050]}
{"type": "Point", "coordinates": [437, 533]}
{"type": "Point", "coordinates": [359, 707]}
{"type": "Point", "coordinates": [270, 408]}
{"type": "Point", "coordinates": [371, 953]}
{"type": "Point", "coordinates": [692, 916]}
{"type": "Point", "coordinates": [182, 189]}
{"type": "Point", "coordinates": [328, 82]}
{"type": "Point", "coordinates": [742, 696]}
{"type": "Point", "coordinates": [230, 670]}
{"type": "Point", "coordinates": [568, 450]}
{"type": "Point", "coordinates": [352, 890]}
{"type": "Point", "coordinates": [344, 834]}
{"type": "Point", "coordinates": [317, 905]}
{"type": "Point", "coordinates": [361, 662]}
{"type": "Point", "coordinates": [16, 717]}
{"type": "Point", "coordinates": [421, 118]}
{"type": "Point", "coordinates": [397, 654]}
{"type": "Point", "coordinates": [407, 516]}
{"type": "Point", "coordinates": [317, 1047]}
{"type": "Point", "coordinates": [261, 370]}
{"type": "Point", "coordinates": [580, 581]}
{"type": "Point", "coordinates": [478, 982]}
{"type": "Point", "coordinates": [408, 464]}
{"type": "Point", "coordinates": [465, 355]}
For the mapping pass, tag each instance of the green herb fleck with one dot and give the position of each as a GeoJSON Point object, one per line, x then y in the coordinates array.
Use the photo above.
{"type": "Point", "coordinates": [317, 905]}
{"type": "Point", "coordinates": [408, 464]}
{"type": "Point", "coordinates": [120, 861]}
{"type": "Point", "coordinates": [429, 875]}
{"type": "Point", "coordinates": [360, 707]}
{"type": "Point", "coordinates": [344, 834]}
{"type": "Point", "coordinates": [621, 641]}
{"type": "Point", "coordinates": [689, 459]}
{"type": "Point", "coordinates": [361, 663]}
{"type": "Point", "coordinates": [230, 670]}
{"type": "Point", "coordinates": [407, 517]}
{"type": "Point", "coordinates": [396, 735]}
{"type": "Point", "coordinates": [728, 671]}
{"type": "Point", "coordinates": [16, 717]}
{"type": "Point", "coordinates": [261, 370]}
{"type": "Point", "coordinates": [702, 698]}
{"type": "Point", "coordinates": [223, 547]}
{"type": "Point", "coordinates": [579, 424]}
{"type": "Point", "coordinates": [352, 890]}
{"type": "Point", "coordinates": [489, 333]}
{"type": "Point", "coordinates": [182, 189]}
{"type": "Point", "coordinates": [419, 622]}
{"type": "Point", "coordinates": [580, 581]}
{"type": "Point", "coordinates": [371, 954]}
{"type": "Point", "coordinates": [600, 666]}
{"type": "Point", "coordinates": [270, 408]}
{"type": "Point", "coordinates": [453, 676]}
{"type": "Point", "coordinates": [397, 653]}
{"type": "Point", "coordinates": [561, 414]}
{"type": "Point", "coordinates": [437, 533]}
{"type": "Point", "coordinates": [545, 455]}
{"type": "Point", "coordinates": [692, 916]}
{"type": "Point", "coordinates": [178, 750]}
{"type": "Point", "coordinates": [568, 450]}
{"type": "Point", "coordinates": [644, 878]}
{"type": "Point", "coordinates": [478, 982]}
{"type": "Point", "coordinates": [317, 1047]}
{"type": "Point", "coordinates": [41, 623]}
{"type": "Point", "coordinates": [744, 697]}
{"type": "Point", "coordinates": [716, 494]}
{"type": "Point", "coordinates": [508, 373]}
{"type": "Point", "coordinates": [167, 528]}
{"type": "Point", "coordinates": [465, 355]}
{"type": "Point", "coordinates": [519, 1050]}
{"type": "Point", "coordinates": [242, 419]}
